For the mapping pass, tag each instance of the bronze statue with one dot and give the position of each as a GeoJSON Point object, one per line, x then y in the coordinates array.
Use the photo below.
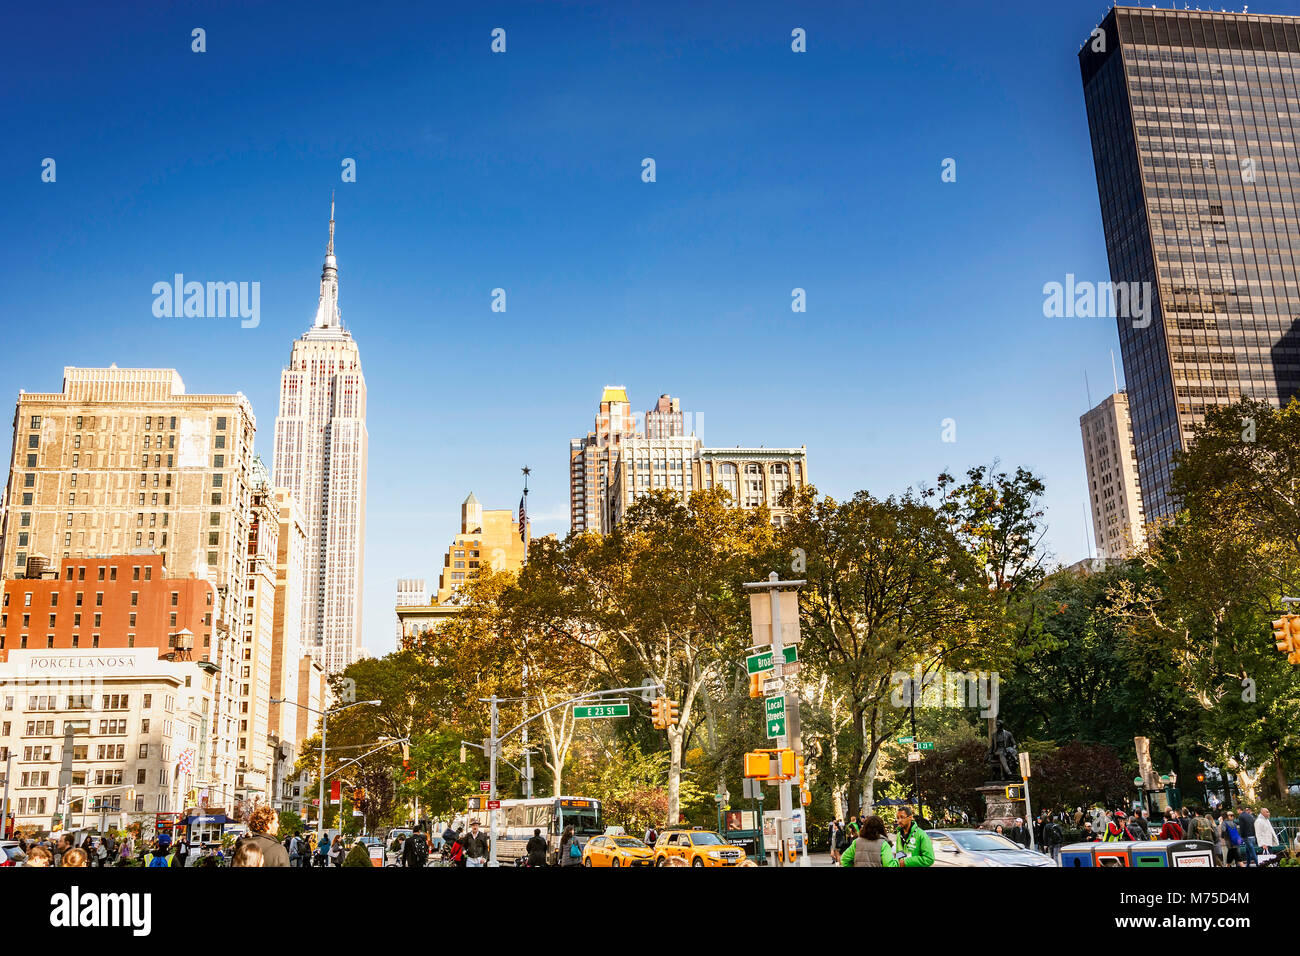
{"type": "Point", "coordinates": [1004, 758]}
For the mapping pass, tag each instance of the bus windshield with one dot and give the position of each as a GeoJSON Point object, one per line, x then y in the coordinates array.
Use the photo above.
{"type": "Point", "coordinates": [582, 815]}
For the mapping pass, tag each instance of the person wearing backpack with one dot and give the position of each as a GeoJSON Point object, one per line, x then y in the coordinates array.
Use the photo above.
{"type": "Point", "coordinates": [159, 856]}
{"type": "Point", "coordinates": [1233, 840]}
{"type": "Point", "coordinates": [415, 853]}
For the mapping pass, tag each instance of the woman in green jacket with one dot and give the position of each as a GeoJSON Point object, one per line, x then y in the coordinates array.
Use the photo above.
{"type": "Point", "coordinates": [870, 848]}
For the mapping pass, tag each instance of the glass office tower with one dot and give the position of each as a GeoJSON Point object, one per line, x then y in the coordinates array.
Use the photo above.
{"type": "Point", "coordinates": [1195, 119]}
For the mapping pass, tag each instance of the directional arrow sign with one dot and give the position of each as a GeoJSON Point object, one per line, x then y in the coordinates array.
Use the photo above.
{"type": "Point", "coordinates": [774, 710]}
{"type": "Point", "coordinates": [602, 710]}
{"type": "Point", "coordinates": [762, 661]}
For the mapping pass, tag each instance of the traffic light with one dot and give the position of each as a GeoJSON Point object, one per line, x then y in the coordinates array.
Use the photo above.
{"type": "Point", "coordinates": [798, 764]}
{"type": "Point", "coordinates": [755, 685]}
{"type": "Point", "coordinates": [671, 717]}
{"type": "Point", "coordinates": [659, 713]}
{"type": "Point", "coordinates": [358, 794]}
{"type": "Point", "coordinates": [130, 795]}
{"type": "Point", "coordinates": [408, 769]}
{"type": "Point", "coordinates": [1015, 792]}
{"type": "Point", "coordinates": [1286, 633]}
{"type": "Point", "coordinates": [462, 754]}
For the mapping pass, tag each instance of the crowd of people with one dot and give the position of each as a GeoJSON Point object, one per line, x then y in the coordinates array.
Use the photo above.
{"type": "Point", "coordinates": [1240, 838]}
{"type": "Point", "coordinates": [865, 842]}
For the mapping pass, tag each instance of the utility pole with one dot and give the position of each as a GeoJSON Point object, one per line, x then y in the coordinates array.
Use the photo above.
{"type": "Point", "coordinates": [791, 739]}
{"type": "Point", "coordinates": [524, 530]}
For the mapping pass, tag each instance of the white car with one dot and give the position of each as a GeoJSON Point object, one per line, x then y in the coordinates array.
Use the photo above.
{"type": "Point", "coordinates": [982, 848]}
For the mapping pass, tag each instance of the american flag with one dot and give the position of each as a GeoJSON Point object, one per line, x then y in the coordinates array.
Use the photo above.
{"type": "Point", "coordinates": [523, 517]}
{"type": "Point", "coordinates": [186, 761]}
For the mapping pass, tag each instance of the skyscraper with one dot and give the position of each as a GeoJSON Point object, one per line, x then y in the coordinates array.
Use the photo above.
{"type": "Point", "coordinates": [1194, 136]}
{"type": "Point", "coordinates": [1111, 463]}
{"type": "Point", "coordinates": [123, 462]}
{"type": "Point", "coordinates": [592, 461]}
{"type": "Point", "coordinates": [320, 458]}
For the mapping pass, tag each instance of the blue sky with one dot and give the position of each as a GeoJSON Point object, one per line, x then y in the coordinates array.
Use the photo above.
{"type": "Point", "coordinates": [521, 170]}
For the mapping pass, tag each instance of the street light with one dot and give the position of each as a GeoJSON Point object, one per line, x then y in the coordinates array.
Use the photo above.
{"type": "Point", "coordinates": [324, 716]}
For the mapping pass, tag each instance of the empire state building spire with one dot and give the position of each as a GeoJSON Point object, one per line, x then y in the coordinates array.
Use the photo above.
{"type": "Point", "coordinates": [327, 313]}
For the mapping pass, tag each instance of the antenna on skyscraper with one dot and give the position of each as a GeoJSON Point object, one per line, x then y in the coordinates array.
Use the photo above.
{"type": "Point", "coordinates": [1113, 372]}
{"type": "Point", "coordinates": [1087, 389]}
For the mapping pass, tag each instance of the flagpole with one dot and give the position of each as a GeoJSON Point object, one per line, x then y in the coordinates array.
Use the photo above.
{"type": "Point", "coordinates": [524, 529]}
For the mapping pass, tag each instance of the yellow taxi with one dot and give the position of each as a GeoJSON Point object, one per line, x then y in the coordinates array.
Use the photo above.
{"type": "Point", "coordinates": [617, 849]}
{"type": "Point", "coordinates": [696, 848]}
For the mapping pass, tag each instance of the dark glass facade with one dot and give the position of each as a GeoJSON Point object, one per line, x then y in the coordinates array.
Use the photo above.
{"type": "Point", "coordinates": [1195, 120]}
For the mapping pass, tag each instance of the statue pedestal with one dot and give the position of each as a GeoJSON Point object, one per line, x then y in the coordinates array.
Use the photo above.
{"type": "Point", "coordinates": [998, 809]}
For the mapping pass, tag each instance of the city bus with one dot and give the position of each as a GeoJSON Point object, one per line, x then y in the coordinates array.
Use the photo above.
{"type": "Point", "coordinates": [517, 819]}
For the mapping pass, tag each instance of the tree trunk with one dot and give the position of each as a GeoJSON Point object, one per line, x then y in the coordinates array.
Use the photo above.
{"type": "Point", "coordinates": [859, 745]}
{"type": "Point", "coordinates": [674, 774]}
{"type": "Point", "coordinates": [1279, 770]}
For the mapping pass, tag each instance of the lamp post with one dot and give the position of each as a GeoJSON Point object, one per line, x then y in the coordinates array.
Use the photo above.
{"type": "Point", "coordinates": [324, 716]}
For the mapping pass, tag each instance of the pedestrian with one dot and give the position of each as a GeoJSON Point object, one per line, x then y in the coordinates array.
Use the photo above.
{"type": "Point", "coordinates": [912, 847]}
{"type": "Point", "coordinates": [248, 853]}
{"type": "Point", "coordinates": [1019, 833]}
{"type": "Point", "coordinates": [62, 847]}
{"type": "Point", "coordinates": [182, 852]}
{"type": "Point", "coordinates": [39, 856]}
{"type": "Point", "coordinates": [1265, 835]}
{"type": "Point", "coordinates": [321, 857]}
{"type": "Point", "coordinates": [1053, 837]}
{"type": "Point", "coordinates": [651, 835]}
{"type": "Point", "coordinates": [262, 824]}
{"type": "Point", "coordinates": [1202, 826]}
{"type": "Point", "coordinates": [1171, 829]}
{"type": "Point", "coordinates": [336, 850]}
{"type": "Point", "coordinates": [415, 852]}
{"type": "Point", "coordinates": [476, 845]}
{"type": "Point", "coordinates": [1249, 846]}
{"type": "Point", "coordinates": [871, 847]}
{"type": "Point", "coordinates": [536, 848]}
{"type": "Point", "coordinates": [570, 851]}
{"type": "Point", "coordinates": [125, 850]}
{"type": "Point", "coordinates": [294, 849]}
{"type": "Point", "coordinates": [160, 854]}
{"type": "Point", "coordinates": [1232, 839]}
{"type": "Point", "coordinates": [74, 856]}
{"type": "Point", "coordinates": [1089, 835]}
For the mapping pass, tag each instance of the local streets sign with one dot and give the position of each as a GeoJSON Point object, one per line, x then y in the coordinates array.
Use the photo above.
{"type": "Point", "coordinates": [774, 710]}
{"type": "Point", "coordinates": [602, 710]}
{"type": "Point", "coordinates": [762, 661]}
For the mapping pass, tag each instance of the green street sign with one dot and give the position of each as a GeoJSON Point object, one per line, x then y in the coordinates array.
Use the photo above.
{"type": "Point", "coordinates": [925, 745]}
{"type": "Point", "coordinates": [762, 661]}
{"type": "Point", "coordinates": [905, 740]}
{"type": "Point", "coordinates": [774, 710]}
{"type": "Point", "coordinates": [602, 710]}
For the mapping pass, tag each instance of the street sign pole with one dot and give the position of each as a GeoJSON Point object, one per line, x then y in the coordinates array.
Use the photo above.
{"type": "Point", "coordinates": [790, 739]}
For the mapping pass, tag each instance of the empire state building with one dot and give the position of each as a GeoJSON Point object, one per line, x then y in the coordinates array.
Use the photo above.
{"type": "Point", "coordinates": [320, 457]}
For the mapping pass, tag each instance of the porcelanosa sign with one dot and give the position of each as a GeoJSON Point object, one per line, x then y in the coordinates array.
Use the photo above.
{"type": "Point", "coordinates": [80, 664]}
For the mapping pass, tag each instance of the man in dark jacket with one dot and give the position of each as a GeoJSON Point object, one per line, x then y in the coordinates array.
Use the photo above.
{"type": "Point", "coordinates": [415, 852]}
{"type": "Point", "coordinates": [262, 825]}
{"type": "Point", "coordinates": [536, 849]}
{"type": "Point", "coordinates": [476, 845]}
{"type": "Point", "coordinates": [1246, 827]}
